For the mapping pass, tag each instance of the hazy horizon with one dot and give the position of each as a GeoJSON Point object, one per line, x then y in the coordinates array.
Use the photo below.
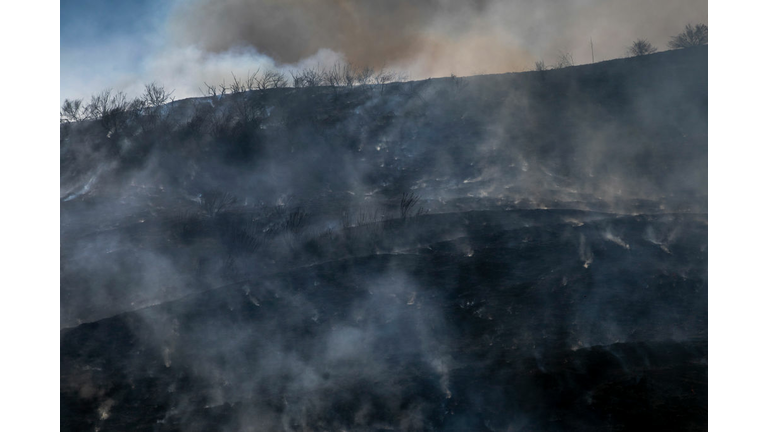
{"type": "Point", "coordinates": [180, 44]}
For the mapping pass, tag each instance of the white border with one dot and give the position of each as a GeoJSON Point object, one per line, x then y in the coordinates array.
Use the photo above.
{"type": "Point", "coordinates": [29, 313]}
{"type": "Point", "coordinates": [738, 162]}
{"type": "Point", "coordinates": [737, 241]}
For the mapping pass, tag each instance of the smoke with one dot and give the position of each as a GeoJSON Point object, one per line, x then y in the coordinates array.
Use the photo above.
{"type": "Point", "coordinates": [186, 69]}
{"type": "Point", "coordinates": [431, 37]}
{"type": "Point", "coordinates": [206, 40]}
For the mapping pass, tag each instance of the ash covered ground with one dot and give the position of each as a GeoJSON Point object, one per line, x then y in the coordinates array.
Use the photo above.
{"type": "Point", "coordinates": [499, 252]}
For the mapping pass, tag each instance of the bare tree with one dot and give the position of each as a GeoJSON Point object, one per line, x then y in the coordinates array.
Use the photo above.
{"type": "Point", "coordinates": [111, 109]}
{"type": "Point", "coordinates": [237, 86]}
{"type": "Point", "coordinates": [155, 95]}
{"type": "Point", "coordinates": [99, 104]}
{"type": "Point", "coordinates": [334, 77]}
{"type": "Point", "coordinates": [214, 202]}
{"type": "Point", "coordinates": [252, 80]}
{"type": "Point", "coordinates": [691, 37]}
{"type": "Point", "coordinates": [260, 82]}
{"type": "Point", "coordinates": [273, 79]}
{"type": "Point", "coordinates": [210, 90]}
{"type": "Point", "coordinates": [641, 47]}
{"type": "Point", "coordinates": [365, 75]}
{"type": "Point", "coordinates": [218, 122]}
{"type": "Point", "coordinates": [564, 59]}
{"type": "Point", "coordinates": [540, 66]}
{"type": "Point", "coordinates": [407, 203]}
{"type": "Point", "coordinates": [383, 78]}
{"type": "Point", "coordinates": [241, 107]}
{"type": "Point", "coordinates": [313, 77]}
{"type": "Point", "coordinates": [298, 79]}
{"type": "Point", "coordinates": [147, 109]}
{"type": "Point", "coordinates": [349, 75]}
{"type": "Point", "coordinates": [72, 110]}
{"type": "Point", "coordinates": [308, 77]}
{"type": "Point", "coordinates": [223, 87]}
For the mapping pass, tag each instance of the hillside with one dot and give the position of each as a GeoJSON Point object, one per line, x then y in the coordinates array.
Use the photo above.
{"type": "Point", "coordinates": [522, 251]}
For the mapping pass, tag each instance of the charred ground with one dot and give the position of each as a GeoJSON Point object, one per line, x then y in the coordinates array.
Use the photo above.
{"type": "Point", "coordinates": [524, 251]}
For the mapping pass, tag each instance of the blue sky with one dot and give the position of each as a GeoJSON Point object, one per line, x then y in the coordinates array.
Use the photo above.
{"type": "Point", "coordinates": [106, 42]}
{"type": "Point", "coordinates": [86, 21]}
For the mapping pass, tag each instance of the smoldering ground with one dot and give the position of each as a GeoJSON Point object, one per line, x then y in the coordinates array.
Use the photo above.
{"type": "Point", "coordinates": [553, 264]}
{"type": "Point", "coordinates": [442, 339]}
{"type": "Point", "coordinates": [351, 153]}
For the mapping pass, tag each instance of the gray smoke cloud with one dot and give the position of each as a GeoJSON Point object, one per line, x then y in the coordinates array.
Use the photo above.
{"type": "Point", "coordinates": [431, 37]}
{"type": "Point", "coordinates": [207, 40]}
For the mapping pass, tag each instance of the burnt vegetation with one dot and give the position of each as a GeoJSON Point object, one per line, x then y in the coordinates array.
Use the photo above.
{"type": "Point", "coordinates": [342, 249]}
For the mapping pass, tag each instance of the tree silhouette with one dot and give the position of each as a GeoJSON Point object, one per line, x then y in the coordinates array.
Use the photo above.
{"type": "Point", "coordinates": [564, 60]}
{"type": "Point", "coordinates": [641, 47]}
{"type": "Point", "coordinates": [691, 37]}
{"type": "Point", "coordinates": [72, 110]}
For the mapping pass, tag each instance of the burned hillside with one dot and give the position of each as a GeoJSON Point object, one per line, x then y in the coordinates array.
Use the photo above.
{"type": "Point", "coordinates": [521, 251]}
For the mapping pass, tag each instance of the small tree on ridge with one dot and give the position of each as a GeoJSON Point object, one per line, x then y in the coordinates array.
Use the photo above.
{"type": "Point", "coordinates": [691, 37]}
{"type": "Point", "coordinates": [641, 47]}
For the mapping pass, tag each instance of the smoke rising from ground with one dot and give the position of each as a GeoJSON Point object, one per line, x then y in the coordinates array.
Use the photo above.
{"type": "Point", "coordinates": [565, 232]}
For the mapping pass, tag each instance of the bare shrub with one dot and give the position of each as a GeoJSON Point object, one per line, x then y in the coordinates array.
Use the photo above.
{"type": "Point", "coordinates": [407, 204]}
{"type": "Point", "coordinates": [691, 37]}
{"type": "Point", "coordinates": [223, 88]}
{"type": "Point", "coordinates": [307, 77]}
{"type": "Point", "coordinates": [364, 75]}
{"type": "Point", "coordinates": [272, 79]}
{"type": "Point", "coordinates": [210, 90]}
{"type": "Point", "coordinates": [641, 47]}
{"type": "Point", "coordinates": [220, 123]}
{"type": "Point", "coordinates": [155, 95]}
{"type": "Point", "coordinates": [457, 84]}
{"type": "Point", "coordinates": [238, 86]}
{"type": "Point", "coordinates": [367, 216]}
{"type": "Point", "coordinates": [384, 77]}
{"type": "Point", "coordinates": [72, 110]}
{"type": "Point", "coordinates": [251, 80]}
{"type": "Point", "coordinates": [214, 202]}
{"type": "Point", "coordinates": [349, 75]}
{"type": "Point", "coordinates": [214, 91]}
{"type": "Point", "coordinates": [147, 109]}
{"type": "Point", "coordinates": [111, 109]}
{"type": "Point", "coordinates": [313, 77]}
{"type": "Point", "coordinates": [104, 102]}
{"type": "Point", "coordinates": [564, 60]}
{"type": "Point", "coordinates": [334, 77]}
{"type": "Point", "coordinates": [297, 78]}
{"type": "Point", "coordinates": [296, 221]}
{"type": "Point", "coordinates": [247, 106]}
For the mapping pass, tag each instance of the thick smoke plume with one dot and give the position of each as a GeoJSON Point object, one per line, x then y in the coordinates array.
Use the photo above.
{"type": "Point", "coordinates": [207, 40]}
{"type": "Point", "coordinates": [432, 37]}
